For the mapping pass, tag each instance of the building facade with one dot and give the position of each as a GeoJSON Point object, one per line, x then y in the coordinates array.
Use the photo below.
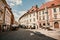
{"type": "Point", "coordinates": [48, 15]}
{"type": "Point", "coordinates": [6, 15]}
{"type": "Point", "coordinates": [29, 19]}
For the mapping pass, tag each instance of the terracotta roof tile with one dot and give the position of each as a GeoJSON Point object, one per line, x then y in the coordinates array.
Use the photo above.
{"type": "Point", "coordinates": [33, 9]}
{"type": "Point", "coordinates": [49, 4]}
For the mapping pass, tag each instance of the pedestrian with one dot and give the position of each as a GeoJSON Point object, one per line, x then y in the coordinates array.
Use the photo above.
{"type": "Point", "coordinates": [4, 28]}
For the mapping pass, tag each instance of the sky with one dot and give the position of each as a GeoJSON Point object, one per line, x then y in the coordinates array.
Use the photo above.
{"type": "Point", "coordinates": [19, 7]}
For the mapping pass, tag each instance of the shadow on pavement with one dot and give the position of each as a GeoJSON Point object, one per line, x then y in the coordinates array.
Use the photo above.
{"type": "Point", "coordinates": [44, 37]}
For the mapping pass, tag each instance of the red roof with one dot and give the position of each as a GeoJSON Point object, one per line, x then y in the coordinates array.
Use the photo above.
{"type": "Point", "coordinates": [34, 8]}
{"type": "Point", "coordinates": [49, 4]}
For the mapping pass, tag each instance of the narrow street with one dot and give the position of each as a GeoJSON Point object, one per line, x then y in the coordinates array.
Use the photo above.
{"type": "Point", "coordinates": [23, 34]}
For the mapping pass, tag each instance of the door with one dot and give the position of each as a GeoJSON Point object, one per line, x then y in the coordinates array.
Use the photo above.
{"type": "Point", "coordinates": [40, 25]}
{"type": "Point", "coordinates": [56, 25]}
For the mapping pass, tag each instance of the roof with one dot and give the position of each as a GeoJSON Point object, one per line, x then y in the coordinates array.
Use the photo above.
{"type": "Point", "coordinates": [50, 4]}
{"type": "Point", "coordinates": [33, 9]}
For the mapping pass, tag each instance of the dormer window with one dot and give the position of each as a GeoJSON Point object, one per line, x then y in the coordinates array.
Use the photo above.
{"type": "Point", "coordinates": [32, 10]}
{"type": "Point", "coordinates": [52, 4]}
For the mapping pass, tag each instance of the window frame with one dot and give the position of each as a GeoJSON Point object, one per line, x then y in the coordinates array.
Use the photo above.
{"type": "Point", "coordinates": [55, 16]}
{"type": "Point", "coordinates": [54, 10]}
{"type": "Point", "coordinates": [59, 9]}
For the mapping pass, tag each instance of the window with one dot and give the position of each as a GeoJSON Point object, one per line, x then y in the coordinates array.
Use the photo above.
{"type": "Point", "coordinates": [48, 23]}
{"type": "Point", "coordinates": [27, 20]}
{"type": "Point", "coordinates": [27, 15]}
{"type": "Point", "coordinates": [43, 17]}
{"type": "Point", "coordinates": [39, 18]}
{"type": "Point", "coordinates": [55, 16]}
{"type": "Point", "coordinates": [34, 19]}
{"type": "Point", "coordinates": [30, 15]}
{"type": "Point", "coordinates": [42, 12]}
{"type": "Point", "coordinates": [0, 14]}
{"type": "Point", "coordinates": [34, 14]}
{"type": "Point", "coordinates": [59, 9]}
{"type": "Point", "coordinates": [39, 13]}
{"type": "Point", "coordinates": [30, 20]}
{"type": "Point", "coordinates": [54, 9]}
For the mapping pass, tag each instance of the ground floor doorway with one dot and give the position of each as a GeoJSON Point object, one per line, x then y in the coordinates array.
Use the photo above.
{"type": "Point", "coordinates": [56, 25]}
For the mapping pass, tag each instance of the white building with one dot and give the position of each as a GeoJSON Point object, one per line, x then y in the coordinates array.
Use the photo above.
{"type": "Point", "coordinates": [48, 15]}
{"type": "Point", "coordinates": [30, 18]}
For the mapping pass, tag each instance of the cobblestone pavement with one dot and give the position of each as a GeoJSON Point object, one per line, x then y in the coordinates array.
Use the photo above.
{"type": "Point", "coordinates": [54, 33]}
{"type": "Point", "coordinates": [23, 34]}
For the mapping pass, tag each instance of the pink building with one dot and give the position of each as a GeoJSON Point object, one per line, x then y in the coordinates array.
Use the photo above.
{"type": "Point", "coordinates": [52, 14]}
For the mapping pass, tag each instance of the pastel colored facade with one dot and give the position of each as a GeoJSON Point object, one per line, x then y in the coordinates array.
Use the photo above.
{"type": "Point", "coordinates": [6, 15]}
{"type": "Point", "coordinates": [47, 15]}
{"type": "Point", "coordinates": [53, 11]}
{"type": "Point", "coordinates": [29, 19]}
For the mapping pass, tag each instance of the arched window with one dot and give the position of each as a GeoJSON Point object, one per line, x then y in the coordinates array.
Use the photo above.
{"type": "Point", "coordinates": [56, 23]}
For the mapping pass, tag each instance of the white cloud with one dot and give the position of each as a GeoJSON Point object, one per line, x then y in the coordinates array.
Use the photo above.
{"type": "Point", "coordinates": [17, 14]}
{"type": "Point", "coordinates": [22, 12]}
{"type": "Point", "coordinates": [11, 4]}
{"type": "Point", "coordinates": [14, 2]}
{"type": "Point", "coordinates": [48, 0]}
